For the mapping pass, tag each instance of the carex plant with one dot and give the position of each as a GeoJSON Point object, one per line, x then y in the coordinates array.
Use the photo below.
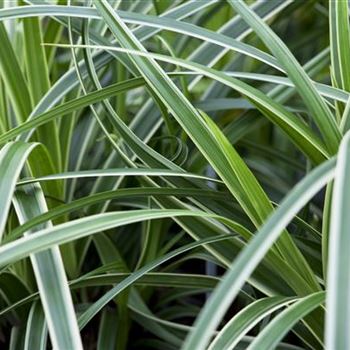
{"type": "Point", "coordinates": [174, 174]}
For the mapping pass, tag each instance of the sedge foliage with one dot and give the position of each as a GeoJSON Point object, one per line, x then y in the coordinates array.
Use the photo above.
{"type": "Point", "coordinates": [174, 174]}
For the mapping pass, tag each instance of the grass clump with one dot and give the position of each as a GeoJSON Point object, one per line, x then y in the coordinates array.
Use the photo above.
{"type": "Point", "coordinates": [174, 174]}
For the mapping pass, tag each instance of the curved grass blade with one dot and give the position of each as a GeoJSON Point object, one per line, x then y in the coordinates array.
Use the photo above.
{"type": "Point", "coordinates": [12, 158]}
{"type": "Point", "coordinates": [17, 338]}
{"type": "Point", "coordinates": [158, 279]}
{"type": "Point", "coordinates": [97, 96]}
{"type": "Point", "coordinates": [345, 119]}
{"type": "Point", "coordinates": [134, 277]}
{"type": "Point", "coordinates": [274, 332]}
{"type": "Point", "coordinates": [70, 106]}
{"type": "Point", "coordinates": [250, 257]}
{"type": "Point", "coordinates": [257, 210]}
{"type": "Point", "coordinates": [107, 337]}
{"type": "Point", "coordinates": [285, 245]}
{"type": "Point", "coordinates": [39, 83]}
{"type": "Point", "coordinates": [297, 130]}
{"type": "Point", "coordinates": [115, 172]}
{"type": "Point", "coordinates": [69, 80]}
{"type": "Point", "coordinates": [11, 74]}
{"type": "Point", "coordinates": [187, 116]}
{"type": "Point", "coordinates": [245, 320]}
{"type": "Point", "coordinates": [133, 139]}
{"type": "Point", "coordinates": [98, 305]}
{"type": "Point", "coordinates": [147, 20]}
{"type": "Point", "coordinates": [338, 280]}
{"type": "Point", "coordinates": [317, 106]}
{"type": "Point", "coordinates": [50, 275]}
{"type": "Point", "coordinates": [340, 42]}
{"type": "Point", "coordinates": [84, 227]}
{"type": "Point", "coordinates": [36, 332]}
{"type": "Point", "coordinates": [109, 195]}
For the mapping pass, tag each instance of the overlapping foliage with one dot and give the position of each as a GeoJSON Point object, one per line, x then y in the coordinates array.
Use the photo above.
{"type": "Point", "coordinates": [174, 174]}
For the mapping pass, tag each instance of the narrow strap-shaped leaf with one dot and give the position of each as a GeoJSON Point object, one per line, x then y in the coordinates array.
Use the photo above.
{"type": "Point", "coordinates": [107, 336]}
{"type": "Point", "coordinates": [297, 130]}
{"type": "Point", "coordinates": [50, 275]}
{"type": "Point", "coordinates": [39, 83]}
{"type": "Point", "coordinates": [340, 42]}
{"type": "Point", "coordinates": [108, 195]}
{"type": "Point", "coordinates": [245, 320]}
{"type": "Point", "coordinates": [96, 96]}
{"type": "Point", "coordinates": [153, 21]}
{"type": "Point", "coordinates": [162, 279]}
{"type": "Point", "coordinates": [262, 208]}
{"type": "Point", "coordinates": [235, 27]}
{"type": "Point", "coordinates": [250, 257]}
{"type": "Point", "coordinates": [36, 332]}
{"type": "Point", "coordinates": [159, 279]}
{"type": "Point", "coordinates": [17, 338]}
{"type": "Point", "coordinates": [16, 85]}
{"type": "Point", "coordinates": [69, 80]}
{"type": "Point", "coordinates": [70, 106]}
{"type": "Point", "coordinates": [35, 60]}
{"type": "Point", "coordinates": [338, 285]}
{"type": "Point", "coordinates": [284, 244]}
{"type": "Point", "coordinates": [115, 172]}
{"type": "Point", "coordinates": [345, 119]}
{"type": "Point", "coordinates": [274, 332]}
{"type": "Point", "coordinates": [12, 158]}
{"type": "Point", "coordinates": [41, 8]}
{"type": "Point", "coordinates": [312, 99]}
{"type": "Point", "coordinates": [138, 274]}
{"type": "Point", "coordinates": [111, 294]}
{"type": "Point", "coordinates": [84, 227]}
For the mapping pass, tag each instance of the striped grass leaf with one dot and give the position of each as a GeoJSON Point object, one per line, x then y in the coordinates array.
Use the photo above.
{"type": "Point", "coordinates": [12, 159]}
{"type": "Point", "coordinates": [105, 196]}
{"type": "Point", "coordinates": [39, 82]}
{"type": "Point", "coordinates": [274, 332]}
{"type": "Point", "coordinates": [245, 320]}
{"type": "Point", "coordinates": [153, 21]}
{"type": "Point", "coordinates": [295, 128]}
{"type": "Point", "coordinates": [13, 77]}
{"type": "Point", "coordinates": [337, 276]}
{"type": "Point", "coordinates": [250, 257]}
{"type": "Point", "coordinates": [285, 245]}
{"type": "Point", "coordinates": [80, 228]}
{"type": "Point", "coordinates": [107, 337]}
{"type": "Point", "coordinates": [36, 331]}
{"type": "Point", "coordinates": [317, 106]}
{"type": "Point", "coordinates": [340, 42]}
{"type": "Point", "coordinates": [50, 275]}
{"type": "Point", "coordinates": [98, 305]}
